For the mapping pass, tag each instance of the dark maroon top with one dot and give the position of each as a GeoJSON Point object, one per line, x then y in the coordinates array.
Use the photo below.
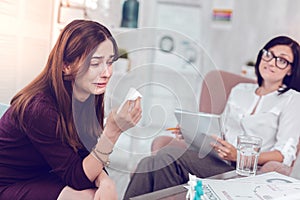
{"type": "Point", "coordinates": [39, 153]}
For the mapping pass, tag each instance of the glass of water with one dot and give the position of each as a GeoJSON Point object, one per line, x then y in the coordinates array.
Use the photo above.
{"type": "Point", "coordinates": [248, 149]}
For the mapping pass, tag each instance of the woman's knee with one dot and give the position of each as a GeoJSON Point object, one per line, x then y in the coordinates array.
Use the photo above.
{"type": "Point", "coordinates": [106, 189]}
{"type": "Point", "coordinates": [169, 155]}
{"type": "Point", "coordinates": [161, 160]}
{"type": "Point", "coordinates": [108, 184]}
{"type": "Point", "coordinates": [164, 158]}
{"type": "Point", "coordinates": [70, 193]}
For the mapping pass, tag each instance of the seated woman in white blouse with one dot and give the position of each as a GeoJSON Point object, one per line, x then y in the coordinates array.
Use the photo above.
{"type": "Point", "coordinates": [269, 109]}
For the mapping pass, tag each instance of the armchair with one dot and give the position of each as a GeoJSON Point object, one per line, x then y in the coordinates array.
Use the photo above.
{"type": "Point", "coordinates": [3, 108]}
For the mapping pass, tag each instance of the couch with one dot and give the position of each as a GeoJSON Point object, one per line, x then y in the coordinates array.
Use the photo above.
{"type": "Point", "coordinates": [3, 108]}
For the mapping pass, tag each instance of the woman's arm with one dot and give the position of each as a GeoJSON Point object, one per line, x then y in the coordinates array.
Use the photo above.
{"type": "Point", "coordinates": [91, 165]}
{"type": "Point", "coordinates": [106, 188]}
{"type": "Point", "coordinates": [116, 123]}
{"type": "Point", "coordinates": [228, 152]}
{"type": "Point", "coordinates": [268, 156]}
{"type": "Point", "coordinates": [288, 129]}
{"type": "Point", "coordinates": [41, 120]}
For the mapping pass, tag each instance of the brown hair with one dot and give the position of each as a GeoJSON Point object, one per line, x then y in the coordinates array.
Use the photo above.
{"type": "Point", "coordinates": [74, 47]}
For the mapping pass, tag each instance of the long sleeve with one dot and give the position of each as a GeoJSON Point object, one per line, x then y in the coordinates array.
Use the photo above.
{"type": "Point", "coordinates": [61, 158]}
{"type": "Point", "coordinates": [39, 150]}
{"type": "Point", "coordinates": [289, 129]}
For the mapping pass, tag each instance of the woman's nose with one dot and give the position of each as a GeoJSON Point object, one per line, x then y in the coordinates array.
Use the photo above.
{"type": "Point", "coordinates": [273, 62]}
{"type": "Point", "coordinates": [106, 71]}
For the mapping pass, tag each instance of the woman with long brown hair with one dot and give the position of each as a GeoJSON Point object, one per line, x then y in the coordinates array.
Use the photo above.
{"type": "Point", "coordinates": [53, 144]}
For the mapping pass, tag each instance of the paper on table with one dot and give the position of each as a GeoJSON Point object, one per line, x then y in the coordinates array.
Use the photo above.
{"type": "Point", "coordinates": [270, 177]}
{"type": "Point", "coordinates": [224, 190]}
{"type": "Point", "coordinates": [132, 94]}
{"type": "Point", "coordinates": [268, 186]}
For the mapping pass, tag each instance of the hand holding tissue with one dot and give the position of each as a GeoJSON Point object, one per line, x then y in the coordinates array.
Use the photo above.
{"type": "Point", "coordinates": [132, 95]}
{"type": "Point", "coordinates": [129, 112]}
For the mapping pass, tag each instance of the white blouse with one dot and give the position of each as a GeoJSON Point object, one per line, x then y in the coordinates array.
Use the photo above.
{"type": "Point", "coordinates": [276, 118]}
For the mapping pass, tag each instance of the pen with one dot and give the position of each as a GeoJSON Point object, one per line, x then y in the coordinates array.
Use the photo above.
{"type": "Point", "coordinates": [172, 129]}
{"type": "Point", "coordinates": [223, 135]}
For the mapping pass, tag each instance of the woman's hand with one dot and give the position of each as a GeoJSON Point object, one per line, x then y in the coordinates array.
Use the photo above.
{"type": "Point", "coordinates": [225, 150]}
{"type": "Point", "coordinates": [129, 116]}
{"type": "Point", "coordinates": [178, 133]}
{"type": "Point", "coordinates": [106, 188]}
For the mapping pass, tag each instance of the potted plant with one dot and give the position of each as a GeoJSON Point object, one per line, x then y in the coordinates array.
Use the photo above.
{"type": "Point", "coordinates": [122, 65]}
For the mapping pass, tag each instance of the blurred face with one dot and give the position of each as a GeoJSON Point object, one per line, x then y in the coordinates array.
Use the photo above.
{"type": "Point", "coordinates": [275, 64]}
{"type": "Point", "coordinates": [95, 79]}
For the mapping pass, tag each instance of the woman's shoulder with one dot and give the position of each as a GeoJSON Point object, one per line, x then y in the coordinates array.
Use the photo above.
{"type": "Point", "coordinates": [43, 102]}
{"type": "Point", "coordinates": [244, 87]}
{"type": "Point", "coordinates": [293, 94]}
{"type": "Point", "coordinates": [291, 100]}
{"type": "Point", "coordinates": [43, 97]}
{"type": "Point", "coordinates": [241, 92]}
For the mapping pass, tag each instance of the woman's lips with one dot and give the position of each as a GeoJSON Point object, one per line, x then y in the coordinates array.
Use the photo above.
{"type": "Point", "coordinates": [100, 84]}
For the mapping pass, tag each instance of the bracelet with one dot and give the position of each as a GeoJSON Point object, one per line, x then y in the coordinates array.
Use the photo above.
{"type": "Point", "coordinates": [103, 162]}
{"type": "Point", "coordinates": [103, 153]}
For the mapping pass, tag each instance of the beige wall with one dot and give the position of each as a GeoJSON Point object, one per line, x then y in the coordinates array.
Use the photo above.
{"type": "Point", "coordinates": [254, 22]}
{"type": "Point", "coordinates": [25, 34]}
